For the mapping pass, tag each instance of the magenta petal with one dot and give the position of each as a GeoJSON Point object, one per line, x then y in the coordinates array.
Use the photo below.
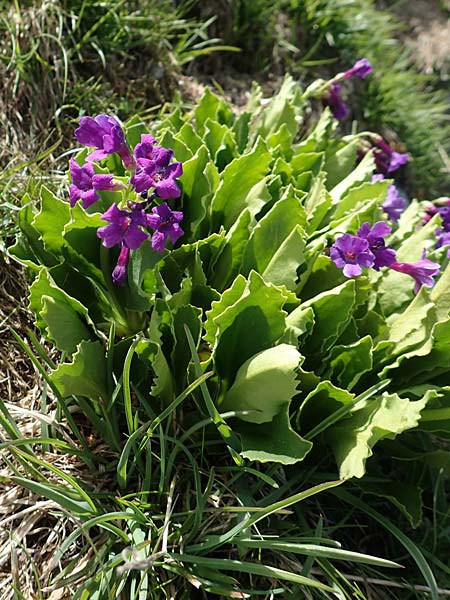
{"type": "Point", "coordinates": [102, 182]}
{"type": "Point", "coordinates": [159, 241]}
{"type": "Point", "coordinates": [352, 270]}
{"type": "Point", "coordinates": [167, 188]}
{"type": "Point", "coordinates": [97, 155]}
{"type": "Point", "coordinates": [88, 198]}
{"type": "Point", "coordinates": [175, 232]}
{"type": "Point", "coordinates": [134, 238]}
{"type": "Point", "coordinates": [110, 234]}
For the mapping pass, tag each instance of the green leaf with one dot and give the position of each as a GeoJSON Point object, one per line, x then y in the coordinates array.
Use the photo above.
{"type": "Point", "coordinates": [331, 313]}
{"type": "Point", "coordinates": [50, 303]}
{"type": "Point", "coordinates": [264, 384]}
{"type": "Point", "coordinates": [320, 403]}
{"type": "Point", "coordinates": [280, 111]}
{"type": "Point", "coordinates": [252, 323]}
{"type": "Point", "coordinates": [181, 354]}
{"type": "Point", "coordinates": [302, 162]}
{"type": "Point", "coordinates": [409, 332]}
{"type": "Point", "coordinates": [386, 416]}
{"type": "Point", "coordinates": [85, 375]}
{"type": "Point", "coordinates": [340, 161]}
{"type": "Point", "coordinates": [273, 442]}
{"type": "Point", "coordinates": [362, 172]}
{"type": "Point", "coordinates": [440, 295]}
{"type": "Point", "coordinates": [220, 143]}
{"type": "Point", "coordinates": [298, 323]}
{"type": "Point", "coordinates": [404, 495]}
{"type": "Point", "coordinates": [317, 203]}
{"type": "Point", "coordinates": [83, 247]}
{"type": "Point", "coordinates": [348, 363]}
{"type": "Point", "coordinates": [51, 220]}
{"type": "Point", "coordinates": [63, 324]}
{"type": "Point", "coordinates": [395, 289]}
{"type": "Point", "coordinates": [229, 262]}
{"type": "Point", "coordinates": [207, 108]}
{"type": "Point", "coordinates": [68, 499]}
{"type": "Point", "coordinates": [359, 196]}
{"type": "Point", "coordinates": [271, 232]}
{"type": "Point", "coordinates": [235, 191]}
{"type": "Point", "coordinates": [197, 189]}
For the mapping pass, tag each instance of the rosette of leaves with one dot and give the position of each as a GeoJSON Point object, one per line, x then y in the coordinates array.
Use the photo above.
{"type": "Point", "coordinates": [313, 364]}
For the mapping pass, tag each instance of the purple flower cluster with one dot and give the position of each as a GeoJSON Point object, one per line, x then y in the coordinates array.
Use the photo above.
{"type": "Point", "coordinates": [152, 179]}
{"type": "Point", "coordinates": [368, 249]}
{"type": "Point", "coordinates": [440, 207]}
{"type": "Point", "coordinates": [395, 203]}
{"type": "Point", "coordinates": [332, 95]}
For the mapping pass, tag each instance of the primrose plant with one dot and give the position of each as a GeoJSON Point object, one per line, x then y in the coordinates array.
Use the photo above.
{"type": "Point", "coordinates": [283, 263]}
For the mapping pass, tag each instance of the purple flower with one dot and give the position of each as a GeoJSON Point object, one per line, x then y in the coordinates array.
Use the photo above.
{"type": "Point", "coordinates": [350, 253]}
{"type": "Point", "coordinates": [443, 238]}
{"type": "Point", "coordinates": [395, 203]}
{"type": "Point", "coordinates": [165, 223]}
{"type": "Point", "coordinates": [422, 271]}
{"type": "Point", "coordinates": [86, 182]}
{"type": "Point", "coordinates": [120, 270]}
{"type": "Point", "coordinates": [386, 159]}
{"type": "Point", "coordinates": [361, 69]}
{"type": "Point", "coordinates": [105, 134]}
{"type": "Point", "coordinates": [145, 147]}
{"type": "Point", "coordinates": [124, 227]}
{"type": "Point", "coordinates": [332, 98]}
{"type": "Point", "coordinates": [383, 255]}
{"type": "Point", "coordinates": [156, 172]}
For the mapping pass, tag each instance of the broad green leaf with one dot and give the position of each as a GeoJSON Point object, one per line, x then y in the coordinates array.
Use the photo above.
{"type": "Point", "coordinates": [197, 188]}
{"type": "Point", "coordinates": [405, 496]}
{"type": "Point", "coordinates": [220, 142]}
{"type": "Point", "coordinates": [282, 268]}
{"type": "Point", "coordinates": [440, 295]}
{"type": "Point", "coordinates": [241, 130]}
{"type": "Point", "coordinates": [395, 289]}
{"type": "Point", "coordinates": [272, 231]}
{"type": "Point", "coordinates": [235, 191]}
{"type": "Point", "coordinates": [281, 110]}
{"type": "Point", "coordinates": [298, 323]}
{"type": "Point", "coordinates": [360, 195]}
{"type": "Point", "coordinates": [318, 139]}
{"type": "Point", "coordinates": [188, 136]}
{"type": "Point", "coordinates": [229, 262]}
{"type": "Point", "coordinates": [273, 442]}
{"type": "Point", "coordinates": [317, 204]}
{"type": "Point", "coordinates": [331, 313]}
{"type": "Point", "coordinates": [182, 152]}
{"type": "Point", "coordinates": [181, 354]}
{"type": "Point", "coordinates": [347, 364]}
{"type": "Point", "coordinates": [302, 162]}
{"type": "Point", "coordinates": [47, 300]}
{"type": "Point", "coordinates": [264, 384]}
{"type": "Point", "coordinates": [150, 352]}
{"type": "Point", "coordinates": [207, 108]}
{"type": "Point", "coordinates": [63, 324]}
{"type": "Point", "coordinates": [229, 297]}
{"type": "Point", "coordinates": [362, 173]}
{"type": "Point", "coordinates": [434, 360]}
{"type": "Point", "coordinates": [85, 375]}
{"type": "Point", "coordinates": [409, 332]}
{"type": "Point", "coordinates": [134, 128]}
{"type": "Point", "coordinates": [141, 278]}
{"type": "Point", "coordinates": [50, 221]}
{"type": "Point", "coordinates": [320, 403]}
{"type": "Point", "coordinates": [83, 246]}
{"type": "Point", "coordinates": [29, 248]}
{"type": "Point", "coordinates": [340, 161]}
{"type": "Point", "coordinates": [386, 416]}
{"type": "Point", "coordinates": [253, 323]}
